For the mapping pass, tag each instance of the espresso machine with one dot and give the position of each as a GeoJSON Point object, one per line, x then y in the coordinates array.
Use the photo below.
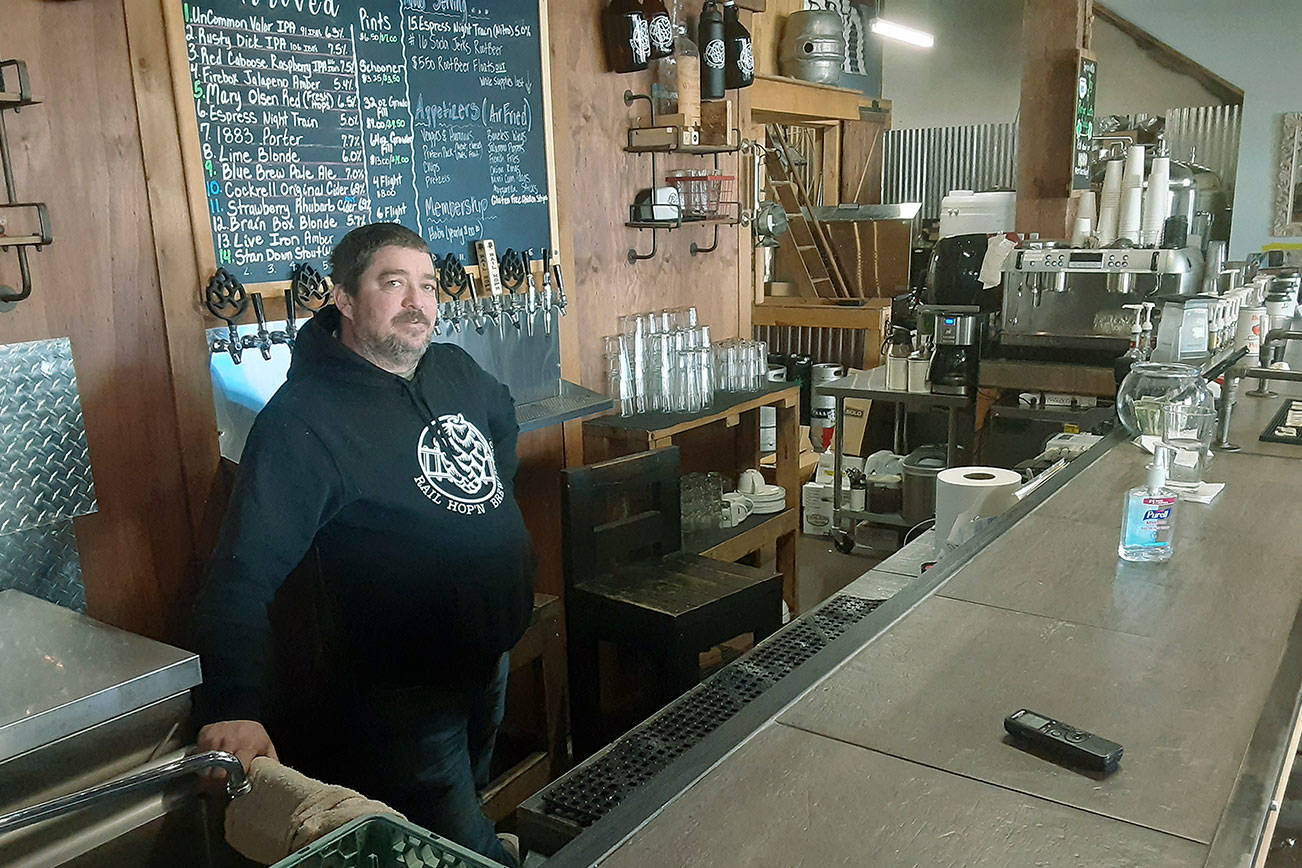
{"type": "Point", "coordinates": [955, 361]}
{"type": "Point", "coordinates": [1063, 302]}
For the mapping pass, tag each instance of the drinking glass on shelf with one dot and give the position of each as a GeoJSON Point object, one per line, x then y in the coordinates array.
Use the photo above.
{"type": "Point", "coordinates": [1188, 431]}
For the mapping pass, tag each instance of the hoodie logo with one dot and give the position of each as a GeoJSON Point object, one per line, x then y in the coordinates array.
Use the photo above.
{"type": "Point", "coordinates": [458, 470]}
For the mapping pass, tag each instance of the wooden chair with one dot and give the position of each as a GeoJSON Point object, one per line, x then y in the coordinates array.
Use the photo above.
{"type": "Point", "coordinates": [628, 583]}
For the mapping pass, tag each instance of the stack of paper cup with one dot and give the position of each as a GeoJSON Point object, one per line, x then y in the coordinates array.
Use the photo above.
{"type": "Point", "coordinates": [1110, 202]}
{"type": "Point", "coordinates": [1132, 194]}
{"type": "Point", "coordinates": [1157, 202]}
{"type": "Point", "coordinates": [1083, 224]}
{"type": "Point", "coordinates": [1131, 207]}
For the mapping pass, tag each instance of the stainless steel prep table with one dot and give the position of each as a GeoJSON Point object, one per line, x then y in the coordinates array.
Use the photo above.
{"type": "Point", "coordinates": [898, 757]}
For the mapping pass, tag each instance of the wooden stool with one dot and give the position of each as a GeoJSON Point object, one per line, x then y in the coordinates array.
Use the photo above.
{"type": "Point", "coordinates": [628, 584]}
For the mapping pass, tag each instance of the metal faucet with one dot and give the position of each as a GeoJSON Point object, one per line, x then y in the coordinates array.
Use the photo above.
{"type": "Point", "coordinates": [236, 785]}
{"type": "Point", "coordinates": [1275, 338]}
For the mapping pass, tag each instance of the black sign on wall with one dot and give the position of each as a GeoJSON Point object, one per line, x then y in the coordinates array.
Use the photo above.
{"type": "Point", "coordinates": [1087, 77]}
{"type": "Point", "coordinates": [316, 116]}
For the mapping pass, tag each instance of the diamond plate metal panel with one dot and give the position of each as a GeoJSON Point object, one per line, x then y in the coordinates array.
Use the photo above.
{"type": "Point", "coordinates": [43, 562]}
{"type": "Point", "coordinates": [44, 464]}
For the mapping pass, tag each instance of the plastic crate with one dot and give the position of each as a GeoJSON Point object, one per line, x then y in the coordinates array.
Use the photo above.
{"type": "Point", "coordinates": [384, 841]}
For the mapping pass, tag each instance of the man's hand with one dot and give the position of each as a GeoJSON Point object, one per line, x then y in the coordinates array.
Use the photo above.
{"type": "Point", "coordinates": [246, 739]}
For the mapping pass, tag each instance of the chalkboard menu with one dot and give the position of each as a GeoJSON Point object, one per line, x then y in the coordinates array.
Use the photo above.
{"type": "Point", "coordinates": [316, 116]}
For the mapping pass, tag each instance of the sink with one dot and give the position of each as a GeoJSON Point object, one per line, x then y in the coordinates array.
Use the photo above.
{"type": "Point", "coordinates": [188, 833]}
{"type": "Point", "coordinates": [178, 828]}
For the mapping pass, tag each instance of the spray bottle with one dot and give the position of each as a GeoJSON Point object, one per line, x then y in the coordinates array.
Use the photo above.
{"type": "Point", "coordinates": [1146, 335]}
{"type": "Point", "coordinates": [1121, 366]}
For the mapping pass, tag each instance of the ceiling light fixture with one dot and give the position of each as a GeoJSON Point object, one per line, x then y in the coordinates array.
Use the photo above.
{"type": "Point", "coordinates": [902, 33]}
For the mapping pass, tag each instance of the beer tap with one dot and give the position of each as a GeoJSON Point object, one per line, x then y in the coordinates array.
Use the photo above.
{"type": "Point", "coordinates": [548, 302]}
{"type": "Point", "coordinates": [452, 277]}
{"type": "Point", "coordinates": [263, 341]}
{"type": "Point", "coordinates": [227, 300]}
{"type": "Point", "coordinates": [290, 333]}
{"type": "Point", "coordinates": [479, 311]}
{"type": "Point", "coordinates": [561, 301]}
{"type": "Point", "coordinates": [531, 298]}
{"type": "Point", "coordinates": [512, 270]}
{"type": "Point", "coordinates": [490, 274]}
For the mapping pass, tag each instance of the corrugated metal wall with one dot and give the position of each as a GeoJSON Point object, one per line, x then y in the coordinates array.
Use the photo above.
{"type": "Point", "coordinates": [1208, 135]}
{"type": "Point", "coordinates": [922, 164]}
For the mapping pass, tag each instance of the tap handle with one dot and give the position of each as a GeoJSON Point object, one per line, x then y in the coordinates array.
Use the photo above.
{"type": "Point", "coordinates": [225, 297]}
{"type": "Point", "coordinates": [291, 326]}
{"type": "Point", "coordinates": [512, 268]}
{"type": "Point", "coordinates": [259, 313]}
{"type": "Point", "coordinates": [561, 301]}
{"type": "Point", "coordinates": [452, 276]}
{"type": "Point", "coordinates": [310, 288]}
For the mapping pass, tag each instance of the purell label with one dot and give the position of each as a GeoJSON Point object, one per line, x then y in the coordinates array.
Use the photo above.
{"type": "Point", "coordinates": [662, 34]}
{"type": "Point", "coordinates": [714, 54]}
{"type": "Point", "coordinates": [1157, 510]}
{"type": "Point", "coordinates": [641, 40]}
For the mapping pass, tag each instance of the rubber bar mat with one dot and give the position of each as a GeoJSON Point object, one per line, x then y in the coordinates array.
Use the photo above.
{"type": "Point", "coordinates": [593, 788]}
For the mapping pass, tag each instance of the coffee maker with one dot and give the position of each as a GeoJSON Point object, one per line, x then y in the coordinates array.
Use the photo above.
{"type": "Point", "coordinates": [956, 358]}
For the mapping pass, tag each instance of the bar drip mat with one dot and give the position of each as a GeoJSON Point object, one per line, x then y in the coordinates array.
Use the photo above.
{"type": "Point", "coordinates": [1286, 427]}
{"type": "Point", "coordinates": [589, 791]}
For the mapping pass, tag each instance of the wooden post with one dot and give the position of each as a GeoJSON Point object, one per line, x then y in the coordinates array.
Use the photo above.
{"type": "Point", "coordinates": [1053, 31]}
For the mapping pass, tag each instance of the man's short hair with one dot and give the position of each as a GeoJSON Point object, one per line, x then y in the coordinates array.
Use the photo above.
{"type": "Point", "coordinates": [352, 255]}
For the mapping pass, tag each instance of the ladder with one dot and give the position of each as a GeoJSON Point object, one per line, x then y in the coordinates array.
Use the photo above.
{"type": "Point", "coordinates": [812, 244]}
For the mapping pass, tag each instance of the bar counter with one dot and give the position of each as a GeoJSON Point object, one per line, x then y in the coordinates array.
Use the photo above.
{"type": "Point", "coordinates": [896, 754]}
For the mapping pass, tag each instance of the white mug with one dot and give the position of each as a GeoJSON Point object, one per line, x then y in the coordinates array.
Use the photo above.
{"type": "Point", "coordinates": [750, 481]}
{"type": "Point", "coordinates": [737, 508]}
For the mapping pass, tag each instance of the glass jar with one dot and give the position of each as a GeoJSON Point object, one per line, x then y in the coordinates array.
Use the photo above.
{"type": "Point", "coordinates": [1150, 386]}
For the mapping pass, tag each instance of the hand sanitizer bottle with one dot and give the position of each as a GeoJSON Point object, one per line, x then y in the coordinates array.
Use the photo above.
{"type": "Point", "coordinates": [1148, 522]}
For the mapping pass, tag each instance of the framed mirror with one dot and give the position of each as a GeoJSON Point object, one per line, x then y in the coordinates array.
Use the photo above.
{"type": "Point", "coordinates": [1288, 186]}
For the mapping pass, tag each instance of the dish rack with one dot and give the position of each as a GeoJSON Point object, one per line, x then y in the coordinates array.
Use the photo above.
{"type": "Point", "coordinates": [383, 841]}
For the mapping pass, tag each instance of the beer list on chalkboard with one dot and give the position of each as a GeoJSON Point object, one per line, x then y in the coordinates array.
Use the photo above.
{"type": "Point", "coordinates": [317, 116]}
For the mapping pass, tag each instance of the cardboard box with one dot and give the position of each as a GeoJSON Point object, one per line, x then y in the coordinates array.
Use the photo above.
{"type": "Point", "coordinates": [816, 509]}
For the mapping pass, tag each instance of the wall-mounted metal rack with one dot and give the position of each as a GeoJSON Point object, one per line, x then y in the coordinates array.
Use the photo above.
{"type": "Point", "coordinates": [33, 218]}
{"type": "Point", "coordinates": [668, 139]}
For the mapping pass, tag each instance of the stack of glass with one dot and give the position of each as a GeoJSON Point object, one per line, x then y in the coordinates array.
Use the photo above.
{"type": "Point", "coordinates": [660, 362]}
{"type": "Point", "coordinates": [702, 501]}
{"type": "Point", "coordinates": [740, 365]}
{"type": "Point", "coordinates": [663, 362]}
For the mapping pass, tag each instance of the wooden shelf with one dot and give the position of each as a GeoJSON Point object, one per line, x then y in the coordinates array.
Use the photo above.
{"type": "Point", "coordinates": [778, 99]}
{"type": "Point", "coordinates": [733, 543]}
{"type": "Point", "coordinates": [612, 436]}
{"type": "Point", "coordinates": [682, 149]}
{"type": "Point", "coordinates": [659, 428]}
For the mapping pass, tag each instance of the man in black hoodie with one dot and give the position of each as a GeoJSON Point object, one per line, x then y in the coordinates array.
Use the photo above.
{"type": "Point", "coordinates": [393, 460]}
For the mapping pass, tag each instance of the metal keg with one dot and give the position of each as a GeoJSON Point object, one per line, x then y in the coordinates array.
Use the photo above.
{"type": "Point", "coordinates": [813, 46]}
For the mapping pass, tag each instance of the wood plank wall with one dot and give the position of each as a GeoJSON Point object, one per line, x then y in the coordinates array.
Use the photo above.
{"type": "Point", "coordinates": [147, 405]}
{"type": "Point", "coordinates": [80, 152]}
{"type": "Point", "coordinates": [603, 181]}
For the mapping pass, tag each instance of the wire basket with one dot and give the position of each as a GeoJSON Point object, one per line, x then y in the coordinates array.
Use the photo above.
{"type": "Point", "coordinates": [384, 841]}
{"type": "Point", "coordinates": [701, 193]}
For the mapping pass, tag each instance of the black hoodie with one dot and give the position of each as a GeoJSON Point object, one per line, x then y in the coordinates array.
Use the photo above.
{"type": "Point", "coordinates": [406, 490]}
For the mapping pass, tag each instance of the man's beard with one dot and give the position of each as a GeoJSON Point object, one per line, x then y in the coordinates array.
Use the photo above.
{"type": "Point", "coordinates": [391, 348]}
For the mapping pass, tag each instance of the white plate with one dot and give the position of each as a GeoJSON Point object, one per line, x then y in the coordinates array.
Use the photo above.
{"type": "Point", "coordinates": [769, 510]}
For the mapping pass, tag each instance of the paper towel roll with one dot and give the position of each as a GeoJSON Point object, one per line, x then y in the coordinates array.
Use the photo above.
{"type": "Point", "coordinates": [971, 491]}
